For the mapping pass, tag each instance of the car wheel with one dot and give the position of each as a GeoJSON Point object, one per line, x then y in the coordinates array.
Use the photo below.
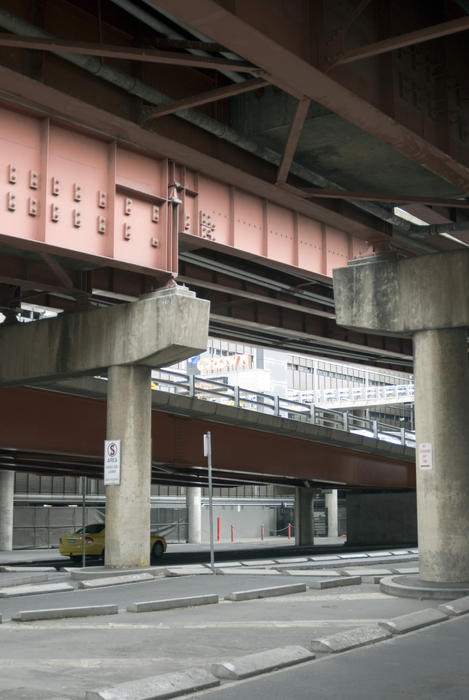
{"type": "Point", "coordinates": [158, 550]}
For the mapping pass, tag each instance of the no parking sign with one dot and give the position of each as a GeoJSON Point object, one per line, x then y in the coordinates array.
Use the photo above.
{"type": "Point", "coordinates": [112, 462]}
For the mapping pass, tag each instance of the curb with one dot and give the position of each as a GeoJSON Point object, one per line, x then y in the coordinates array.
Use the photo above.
{"type": "Point", "coordinates": [351, 639]}
{"type": "Point", "coordinates": [335, 582]}
{"type": "Point", "coordinates": [58, 613]}
{"type": "Point", "coordinates": [262, 662]}
{"type": "Point", "coordinates": [169, 603]}
{"type": "Point", "coordinates": [25, 580]}
{"type": "Point", "coordinates": [456, 607]}
{"type": "Point", "coordinates": [167, 686]}
{"type": "Point", "coordinates": [115, 581]}
{"type": "Point", "coordinates": [266, 592]}
{"type": "Point", "coordinates": [414, 621]}
{"type": "Point", "coordinates": [34, 590]}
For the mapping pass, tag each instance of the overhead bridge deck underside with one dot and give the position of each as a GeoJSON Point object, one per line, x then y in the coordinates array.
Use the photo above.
{"type": "Point", "coordinates": [61, 430]}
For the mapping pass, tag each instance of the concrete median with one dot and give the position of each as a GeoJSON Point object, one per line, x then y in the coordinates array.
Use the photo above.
{"type": "Point", "coordinates": [169, 603]}
{"type": "Point", "coordinates": [169, 685]}
{"type": "Point", "coordinates": [262, 662]}
{"type": "Point", "coordinates": [267, 592]}
{"type": "Point", "coordinates": [58, 613]}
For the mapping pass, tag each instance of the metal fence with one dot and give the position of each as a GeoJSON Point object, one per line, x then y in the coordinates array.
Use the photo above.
{"type": "Point", "coordinates": [220, 392]}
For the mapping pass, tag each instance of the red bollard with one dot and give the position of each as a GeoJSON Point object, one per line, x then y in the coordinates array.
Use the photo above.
{"type": "Point", "coordinates": [289, 531]}
{"type": "Point", "coordinates": [262, 532]}
{"type": "Point", "coordinates": [232, 533]}
{"type": "Point", "coordinates": [218, 529]}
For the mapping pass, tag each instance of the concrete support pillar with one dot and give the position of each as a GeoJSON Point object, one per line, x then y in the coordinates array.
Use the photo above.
{"type": "Point", "coordinates": [304, 527]}
{"type": "Point", "coordinates": [194, 514]}
{"type": "Point", "coordinates": [332, 513]}
{"type": "Point", "coordinates": [128, 504]}
{"type": "Point", "coordinates": [441, 420]}
{"type": "Point", "coordinates": [7, 481]}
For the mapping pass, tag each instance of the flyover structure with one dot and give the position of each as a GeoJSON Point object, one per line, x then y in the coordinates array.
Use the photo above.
{"type": "Point", "coordinates": [247, 152]}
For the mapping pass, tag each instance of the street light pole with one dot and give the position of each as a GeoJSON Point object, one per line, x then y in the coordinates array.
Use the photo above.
{"type": "Point", "coordinates": [208, 454]}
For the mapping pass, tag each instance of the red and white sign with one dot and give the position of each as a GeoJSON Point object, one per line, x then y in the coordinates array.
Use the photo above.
{"type": "Point", "coordinates": [228, 363]}
{"type": "Point", "coordinates": [425, 455]}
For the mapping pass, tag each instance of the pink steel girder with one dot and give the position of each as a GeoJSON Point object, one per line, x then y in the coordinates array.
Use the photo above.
{"type": "Point", "coordinates": [70, 192]}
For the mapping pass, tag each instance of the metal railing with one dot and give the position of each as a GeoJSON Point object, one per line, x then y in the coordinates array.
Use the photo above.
{"type": "Point", "coordinates": [220, 392]}
{"type": "Point", "coordinates": [360, 396]}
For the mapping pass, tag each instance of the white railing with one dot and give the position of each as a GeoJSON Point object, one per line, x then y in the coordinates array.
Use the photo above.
{"type": "Point", "coordinates": [359, 396]}
{"type": "Point", "coordinates": [216, 390]}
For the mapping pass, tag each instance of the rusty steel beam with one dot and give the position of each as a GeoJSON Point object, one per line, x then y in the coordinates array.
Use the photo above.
{"type": "Point", "coordinates": [206, 97]}
{"type": "Point", "coordinates": [55, 424]}
{"type": "Point", "coordinates": [289, 71]}
{"type": "Point", "coordinates": [129, 53]}
{"type": "Point", "coordinates": [398, 42]}
{"type": "Point", "coordinates": [381, 197]}
{"type": "Point", "coordinates": [296, 128]}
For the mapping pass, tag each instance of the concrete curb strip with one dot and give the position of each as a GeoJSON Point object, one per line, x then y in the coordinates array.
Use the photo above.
{"type": "Point", "coordinates": [187, 571]}
{"type": "Point", "coordinates": [262, 662]}
{"type": "Point", "coordinates": [29, 569]}
{"type": "Point", "coordinates": [267, 592]}
{"type": "Point", "coordinates": [1, 619]}
{"type": "Point", "coordinates": [34, 590]}
{"type": "Point", "coordinates": [407, 587]}
{"type": "Point", "coordinates": [169, 685]}
{"type": "Point", "coordinates": [245, 571]}
{"type": "Point", "coordinates": [187, 602]}
{"type": "Point", "coordinates": [24, 580]}
{"type": "Point", "coordinates": [351, 639]}
{"type": "Point", "coordinates": [104, 572]}
{"type": "Point", "coordinates": [317, 573]}
{"type": "Point", "coordinates": [115, 581]}
{"type": "Point", "coordinates": [413, 621]}
{"type": "Point", "coordinates": [57, 613]}
{"type": "Point", "coordinates": [335, 582]}
{"type": "Point", "coordinates": [456, 607]}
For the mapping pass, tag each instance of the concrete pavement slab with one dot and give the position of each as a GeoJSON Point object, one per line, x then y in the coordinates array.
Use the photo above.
{"type": "Point", "coordinates": [351, 639]}
{"type": "Point", "coordinates": [187, 571]}
{"type": "Point", "coordinates": [262, 662]}
{"type": "Point", "coordinates": [414, 621]}
{"type": "Point", "coordinates": [169, 685]}
{"type": "Point", "coordinates": [22, 580]}
{"type": "Point", "coordinates": [106, 572]}
{"type": "Point", "coordinates": [319, 573]}
{"type": "Point", "coordinates": [366, 571]}
{"type": "Point", "coordinates": [248, 571]}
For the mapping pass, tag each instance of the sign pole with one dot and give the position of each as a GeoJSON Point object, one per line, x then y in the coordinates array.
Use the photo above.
{"type": "Point", "coordinates": [208, 454]}
{"type": "Point", "coordinates": [83, 534]}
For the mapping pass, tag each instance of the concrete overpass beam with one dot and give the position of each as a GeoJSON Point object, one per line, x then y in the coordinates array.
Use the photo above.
{"type": "Point", "coordinates": [427, 297]}
{"type": "Point", "coordinates": [7, 481]}
{"type": "Point", "coordinates": [304, 514]}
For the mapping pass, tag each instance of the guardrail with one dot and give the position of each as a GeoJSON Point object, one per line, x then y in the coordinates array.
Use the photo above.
{"type": "Point", "coordinates": [216, 390]}
{"type": "Point", "coordinates": [360, 396]}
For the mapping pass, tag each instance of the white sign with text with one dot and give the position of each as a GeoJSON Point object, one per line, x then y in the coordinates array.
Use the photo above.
{"type": "Point", "coordinates": [425, 455]}
{"type": "Point", "coordinates": [112, 462]}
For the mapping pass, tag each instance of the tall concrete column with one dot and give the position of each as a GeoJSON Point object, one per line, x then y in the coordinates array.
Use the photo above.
{"type": "Point", "coordinates": [128, 504]}
{"type": "Point", "coordinates": [194, 514]}
{"type": "Point", "coordinates": [426, 297]}
{"type": "Point", "coordinates": [332, 513]}
{"type": "Point", "coordinates": [304, 527]}
{"type": "Point", "coordinates": [442, 421]}
{"type": "Point", "coordinates": [7, 481]}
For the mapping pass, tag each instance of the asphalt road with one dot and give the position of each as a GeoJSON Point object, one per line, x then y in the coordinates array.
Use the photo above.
{"type": "Point", "coordinates": [63, 658]}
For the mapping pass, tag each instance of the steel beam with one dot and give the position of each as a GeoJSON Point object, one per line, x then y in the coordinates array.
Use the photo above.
{"type": "Point", "coordinates": [293, 138]}
{"type": "Point", "coordinates": [128, 53]}
{"type": "Point", "coordinates": [300, 77]}
{"type": "Point", "coordinates": [55, 423]}
{"type": "Point", "coordinates": [382, 197]}
{"type": "Point", "coordinates": [398, 42]}
{"type": "Point", "coordinates": [206, 97]}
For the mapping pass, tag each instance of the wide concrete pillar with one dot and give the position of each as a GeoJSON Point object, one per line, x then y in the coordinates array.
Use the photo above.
{"type": "Point", "coordinates": [426, 297]}
{"type": "Point", "coordinates": [304, 514]}
{"type": "Point", "coordinates": [7, 482]}
{"type": "Point", "coordinates": [442, 432]}
{"type": "Point", "coordinates": [332, 513]}
{"type": "Point", "coordinates": [194, 514]}
{"type": "Point", "coordinates": [127, 540]}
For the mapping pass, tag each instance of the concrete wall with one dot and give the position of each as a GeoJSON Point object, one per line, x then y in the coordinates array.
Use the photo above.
{"type": "Point", "coordinates": [246, 520]}
{"type": "Point", "coordinates": [381, 518]}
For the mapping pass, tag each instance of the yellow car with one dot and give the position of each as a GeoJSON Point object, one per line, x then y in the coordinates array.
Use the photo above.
{"type": "Point", "coordinates": [71, 545]}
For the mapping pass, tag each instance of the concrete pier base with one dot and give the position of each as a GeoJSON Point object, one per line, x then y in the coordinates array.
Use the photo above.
{"type": "Point", "coordinates": [7, 481]}
{"type": "Point", "coordinates": [332, 513]}
{"type": "Point", "coordinates": [127, 539]}
{"type": "Point", "coordinates": [304, 527]}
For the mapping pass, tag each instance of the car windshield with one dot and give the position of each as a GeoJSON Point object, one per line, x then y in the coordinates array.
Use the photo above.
{"type": "Point", "coordinates": [92, 529]}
